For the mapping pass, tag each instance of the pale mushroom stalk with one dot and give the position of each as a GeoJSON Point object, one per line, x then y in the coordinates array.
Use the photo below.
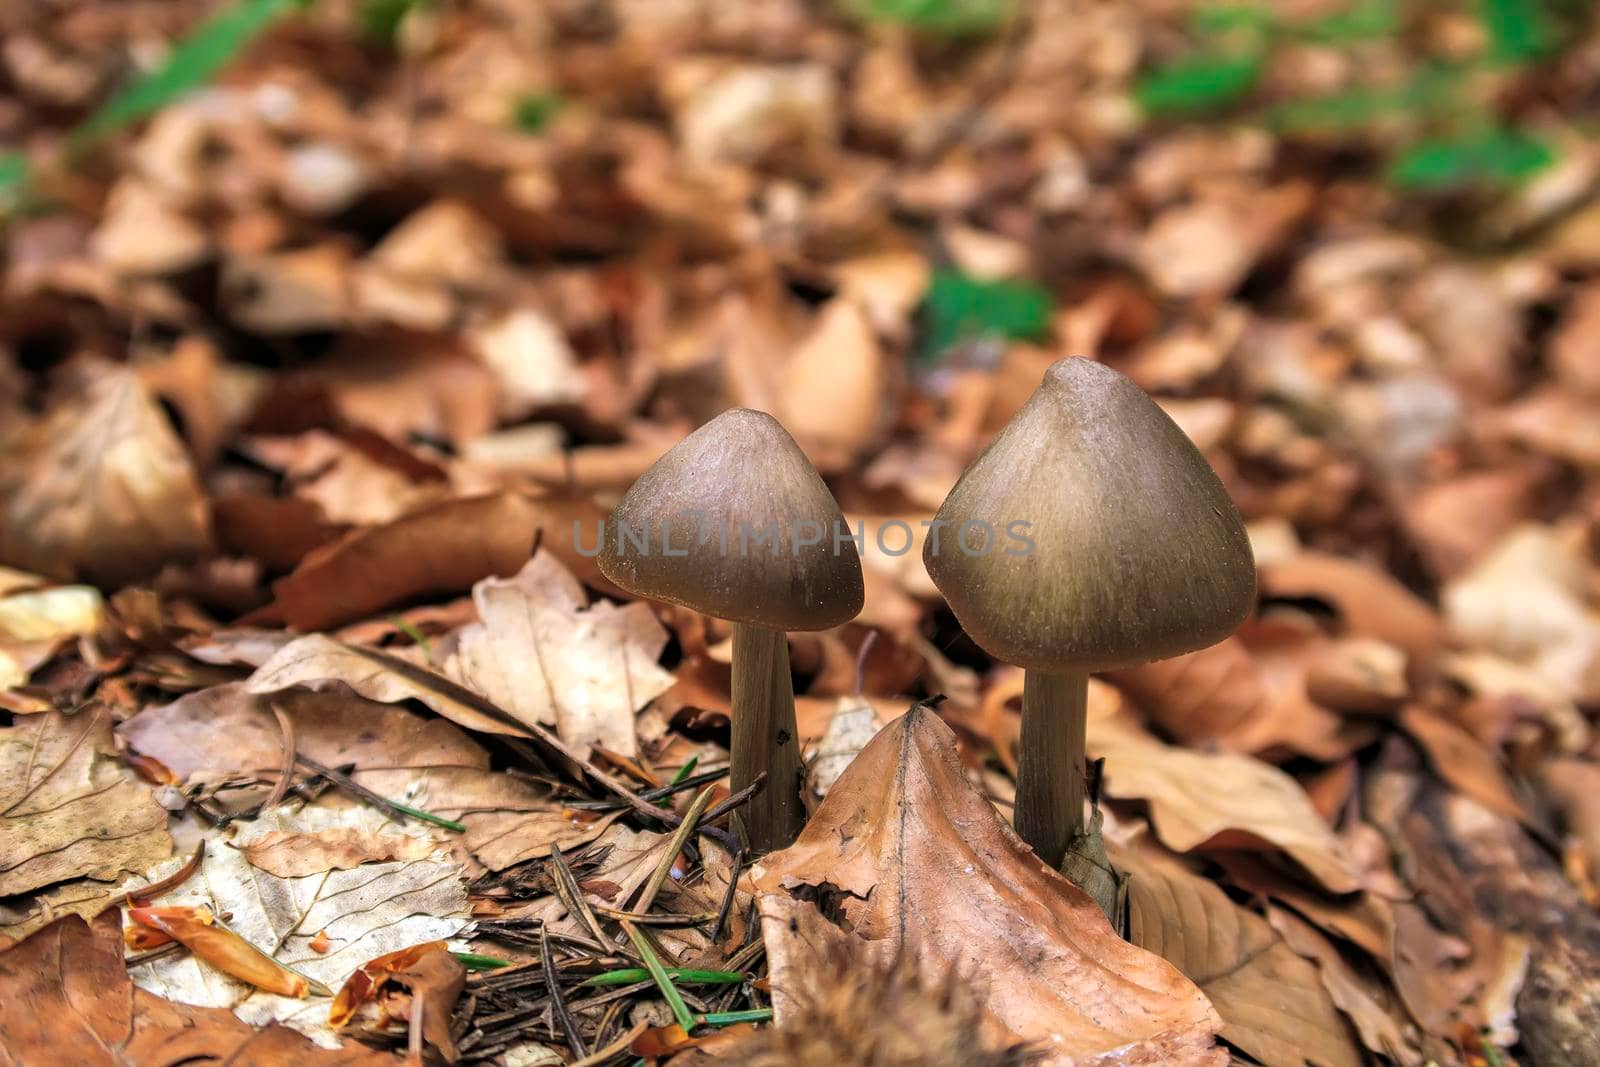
{"type": "Point", "coordinates": [1050, 761]}
{"type": "Point", "coordinates": [765, 736]}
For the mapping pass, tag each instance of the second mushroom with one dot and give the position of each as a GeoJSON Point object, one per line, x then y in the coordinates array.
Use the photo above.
{"type": "Point", "coordinates": [1106, 541]}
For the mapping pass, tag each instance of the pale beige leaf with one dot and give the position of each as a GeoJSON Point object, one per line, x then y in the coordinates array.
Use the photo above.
{"type": "Point", "coordinates": [1201, 800]}
{"type": "Point", "coordinates": [67, 808]}
{"type": "Point", "coordinates": [545, 655]}
{"type": "Point", "coordinates": [364, 912]}
{"type": "Point", "coordinates": [927, 866]}
{"type": "Point", "coordinates": [100, 487]}
{"type": "Point", "coordinates": [427, 763]}
{"type": "Point", "coordinates": [1272, 1002]}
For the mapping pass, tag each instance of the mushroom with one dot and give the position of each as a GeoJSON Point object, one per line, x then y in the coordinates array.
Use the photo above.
{"type": "Point", "coordinates": [1107, 541]}
{"type": "Point", "coordinates": [735, 522]}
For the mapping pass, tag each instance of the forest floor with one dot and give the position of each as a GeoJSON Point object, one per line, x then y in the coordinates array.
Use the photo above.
{"type": "Point", "coordinates": [327, 330]}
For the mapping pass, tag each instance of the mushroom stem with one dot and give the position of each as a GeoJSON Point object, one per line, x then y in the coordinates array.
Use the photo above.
{"type": "Point", "coordinates": [765, 737]}
{"type": "Point", "coordinates": [1049, 807]}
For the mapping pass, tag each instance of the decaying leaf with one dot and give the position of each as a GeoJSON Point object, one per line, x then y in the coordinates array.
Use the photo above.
{"type": "Point", "coordinates": [67, 809]}
{"type": "Point", "coordinates": [198, 930]}
{"type": "Point", "coordinates": [66, 999]}
{"type": "Point", "coordinates": [434, 977]}
{"type": "Point", "coordinates": [219, 734]}
{"type": "Point", "coordinates": [1272, 1003]}
{"type": "Point", "coordinates": [1219, 800]}
{"type": "Point", "coordinates": [542, 653]}
{"type": "Point", "coordinates": [924, 865]}
{"type": "Point", "coordinates": [289, 855]}
{"type": "Point", "coordinates": [100, 487]}
{"type": "Point", "coordinates": [362, 913]}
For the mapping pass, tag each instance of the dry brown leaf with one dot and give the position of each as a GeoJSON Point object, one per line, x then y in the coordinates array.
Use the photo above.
{"type": "Point", "coordinates": [1370, 603]}
{"type": "Point", "coordinates": [290, 855]}
{"type": "Point", "coordinates": [1271, 1001]}
{"type": "Point", "coordinates": [1525, 601]}
{"type": "Point", "coordinates": [100, 486]}
{"type": "Point", "coordinates": [834, 390]}
{"type": "Point", "coordinates": [222, 732]}
{"type": "Point", "coordinates": [67, 809]}
{"type": "Point", "coordinates": [1573, 785]}
{"type": "Point", "coordinates": [1464, 762]}
{"type": "Point", "coordinates": [442, 548]}
{"type": "Point", "coordinates": [926, 866]}
{"type": "Point", "coordinates": [65, 999]}
{"type": "Point", "coordinates": [544, 654]}
{"type": "Point", "coordinates": [1363, 997]}
{"type": "Point", "coordinates": [1219, 801]}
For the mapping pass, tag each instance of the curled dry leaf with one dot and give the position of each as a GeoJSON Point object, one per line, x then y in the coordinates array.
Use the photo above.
{"type": "Point", "coordinates": [198, 930]}
{"type": "Point", "coordinates": [542, 653]}
{"type": "Point", "coordinates": [1272, 1003]}
{"type": "Point", "coordinates": [1219, 801]}
{"type": "Point", "coordinates": [34, 622]}
{"type": "Point", "coordinates": [66, 1001]}
{"type": "Point", "coordinates": [1465, 762]}
{"type": "Point", "coordinates": [435, 978]}
{"type": "Point", "coordinates": [441, 548]}
{"type": "Point", "coordinates": [926, 866]}
{"type": "Point", "coordinates": [67, 809]}
{"type": "Point", "coordinates": [100, 486]}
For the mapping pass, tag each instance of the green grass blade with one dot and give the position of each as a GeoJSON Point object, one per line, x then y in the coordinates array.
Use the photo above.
{"type": "Point", "coordinates": [629, 975]}
{"type": "Point", "coordinates": [647, 952]}
{"type": "Point", "coordinates": [1198, 83]}
{"type": "Point", "coordinates": [193, 63]}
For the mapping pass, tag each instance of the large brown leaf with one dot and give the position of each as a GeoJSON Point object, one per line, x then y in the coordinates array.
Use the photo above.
{"type": "Point", "coordinates": [927, 866]}
{"type": "Point", "coordinates": [65, 999]}
{"type": "Point", "coordinates": [100, 487]}
{"type": "Point", "coordinates": [67, 809]}
{"type": "Point", "coordinates": [1272, 1002]}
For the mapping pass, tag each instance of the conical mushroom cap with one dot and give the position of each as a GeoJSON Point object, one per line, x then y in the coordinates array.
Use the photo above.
{"type": "Point", "coordinates": [704, 514]}
{"type": "Point", "coordinates": [1136, 551]}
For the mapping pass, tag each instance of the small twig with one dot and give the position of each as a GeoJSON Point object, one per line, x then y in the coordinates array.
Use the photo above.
{"type": "Point", "coordinates": [861, 659]}
{"type": "Point", "coordinates": [654, 919]}
{"type": "Point", "coordinates": [663, 870]}
{"type": "Point", "coordinates": [286, 775]}
{"type": "Point", "coordinates": [155, 889]}
{"type": "Point", "coordinates": [171, 948]}
{"type": "Point", "coordinates": [568, 1027]}
{"type": "Point", "coordinates": [727, 899]}
{"type": "Point", "coordinates": [349, 785]}
{"type": "Point", "coordinates": [733, 801]}
{"type": "Point", "coordinates": [616, 1048]}
{"type": "Point", "coordinates": [572, 896]}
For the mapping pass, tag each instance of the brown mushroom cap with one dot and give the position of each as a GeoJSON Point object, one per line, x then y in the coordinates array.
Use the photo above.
{"type": "Point", "coordinates": [712, 498]}
{"type": "Point", "coordinates": [1137, 552]}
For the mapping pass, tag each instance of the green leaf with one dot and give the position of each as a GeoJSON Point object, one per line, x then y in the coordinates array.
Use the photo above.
{"type": "Point", "coordinates": [1198, 83]}
{"type": "Point", "coordinates": [534, 111]}
{"type": "Point", "coordinates": [960, 307]}
{"type": "Point", "coordinates": [1231, 18]}
{"type": "Point", "coordinates": [1493, 156]}
{"type": "Point", "coordinates": [381, 19]}
{"type": "Point", "coordinates": [193, 63]}
{"type": "Point", "coordinates": [946, 18]}
{"type": "Point", "coordinates": [1364, 20]}
{"type": "Point", "coordinates": [472, 961]}
{"type": "Point", "coordinates": [1518, 29]}
{"type": "Point", "coordinates": [13, 180]}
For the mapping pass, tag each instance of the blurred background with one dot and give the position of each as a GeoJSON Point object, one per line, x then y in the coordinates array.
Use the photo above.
{"type": "Point", "coordinates": [278, 273]}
